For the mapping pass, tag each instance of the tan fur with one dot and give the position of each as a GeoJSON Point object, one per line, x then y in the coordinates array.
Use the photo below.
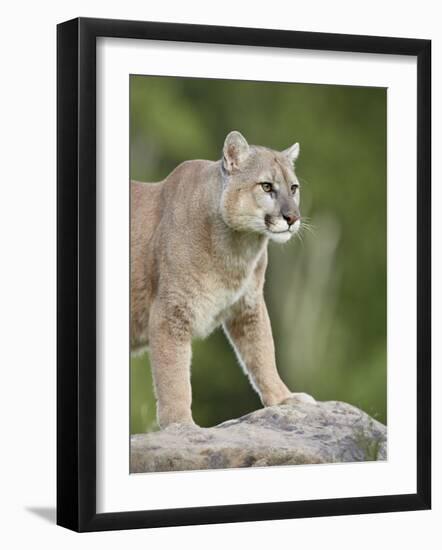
{"type": "Point", "coordinates": [198, 259]}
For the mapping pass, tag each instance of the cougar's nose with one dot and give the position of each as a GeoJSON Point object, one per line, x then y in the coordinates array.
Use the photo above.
{"type": "Point", "coordinates": [290, 218]}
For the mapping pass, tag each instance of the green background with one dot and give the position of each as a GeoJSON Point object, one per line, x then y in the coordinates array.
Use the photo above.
{"type": "Point", "coordinates": [326, 294]}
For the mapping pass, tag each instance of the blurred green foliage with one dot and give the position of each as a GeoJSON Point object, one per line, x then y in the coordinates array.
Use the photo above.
{"type": "Point", "coordinates": [326, 295]}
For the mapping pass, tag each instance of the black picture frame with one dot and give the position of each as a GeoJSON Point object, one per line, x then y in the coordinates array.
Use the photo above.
{"type": "Point", "coordinates": [77, 287]}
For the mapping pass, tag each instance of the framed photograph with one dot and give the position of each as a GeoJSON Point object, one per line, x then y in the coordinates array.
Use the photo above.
{"type": "Point", "coordinates": [243, 274]}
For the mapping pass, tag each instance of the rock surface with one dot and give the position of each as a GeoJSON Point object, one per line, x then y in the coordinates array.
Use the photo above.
{"type": "Point", "coordinates": [298, 433]}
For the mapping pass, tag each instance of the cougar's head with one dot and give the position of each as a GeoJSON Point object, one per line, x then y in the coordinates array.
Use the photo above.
{"type": "Point", "coordinates": [261, 191]}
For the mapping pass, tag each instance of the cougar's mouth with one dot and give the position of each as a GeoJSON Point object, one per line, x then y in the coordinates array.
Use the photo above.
{"type": "Point", "coordinates": [272, 226]}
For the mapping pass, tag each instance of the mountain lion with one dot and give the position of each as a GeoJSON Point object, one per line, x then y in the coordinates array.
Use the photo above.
{"type": "Point", "coordinates": [198, 260]}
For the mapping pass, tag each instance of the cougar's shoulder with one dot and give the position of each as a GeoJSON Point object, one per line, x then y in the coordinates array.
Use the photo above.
{"type": "Point", "coordinates": [191, 176]}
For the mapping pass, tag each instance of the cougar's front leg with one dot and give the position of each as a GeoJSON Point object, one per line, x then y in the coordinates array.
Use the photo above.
{"type": "Point", "coordinates": [250, 333]}
{"type": "Point", "coordinates": [170, 354]}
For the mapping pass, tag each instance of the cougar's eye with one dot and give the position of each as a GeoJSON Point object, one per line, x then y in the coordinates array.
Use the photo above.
{"type": "Point", "coordinates": [267, 187]}
{"type": "Point", "coordinates": [294, 188]}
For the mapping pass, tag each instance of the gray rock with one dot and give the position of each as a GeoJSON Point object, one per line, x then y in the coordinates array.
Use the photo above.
{"type": "Point", "coordinates": [298, 433]}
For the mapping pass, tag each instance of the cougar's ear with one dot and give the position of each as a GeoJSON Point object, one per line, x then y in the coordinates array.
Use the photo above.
{"type": "Point", "coordinates": [292, 152]}
{"type": "Point", "coordinates": [235, 151]}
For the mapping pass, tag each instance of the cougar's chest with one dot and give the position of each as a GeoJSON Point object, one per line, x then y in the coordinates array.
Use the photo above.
{"type": "Point", "coordinates": [215, 303]}
{"type": "Point", "coordinates": [227, 278]}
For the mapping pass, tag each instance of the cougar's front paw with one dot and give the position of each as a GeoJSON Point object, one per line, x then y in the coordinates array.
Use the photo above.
{"type": "Point", "coordinates": [177, 424]}
{"type": "Point", "coordinates": [296, 398]}
{"type": "Point", "coordinates": [166, 421]}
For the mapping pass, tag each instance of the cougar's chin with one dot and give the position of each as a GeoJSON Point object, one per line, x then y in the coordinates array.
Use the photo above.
{"type": "Point", "coordinates": [280, 236]}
